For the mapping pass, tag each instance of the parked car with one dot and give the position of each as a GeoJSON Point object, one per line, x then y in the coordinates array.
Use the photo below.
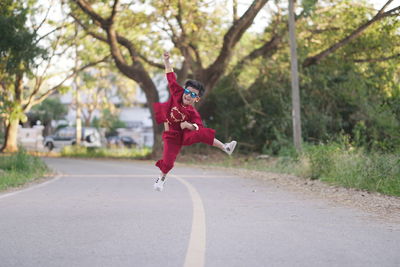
{"type": "Point", "coordinates": [121, 141]}
{"type": "Point", "coordinates": [67, 136]}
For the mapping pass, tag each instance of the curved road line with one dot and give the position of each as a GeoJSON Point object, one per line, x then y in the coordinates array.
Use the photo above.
{"type": "Point", "coordinates": [197, 243]}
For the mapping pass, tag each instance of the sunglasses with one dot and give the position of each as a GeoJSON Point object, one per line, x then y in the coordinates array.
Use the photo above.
{"type": "Point", "coordinates": [192, 94]}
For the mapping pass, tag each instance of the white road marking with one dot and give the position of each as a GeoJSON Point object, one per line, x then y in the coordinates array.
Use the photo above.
{"type": "Point", "coordinates": [31, 188]}
{"type": "Point", "coordinates": [197, 244]}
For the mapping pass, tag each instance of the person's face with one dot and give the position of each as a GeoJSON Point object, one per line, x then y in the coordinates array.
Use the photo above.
{"type": "Point", "coordinates": [190, 96]}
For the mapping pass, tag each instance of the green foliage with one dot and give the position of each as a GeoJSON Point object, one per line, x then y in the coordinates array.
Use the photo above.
{"type": "Point", "coordinates": [50, 109]}
{"type": "Point", "coordinates": [338, 163]}
{"type": "Point", "coordinates": [373, 172]}
{"type": "Point", "coordinates": [110, 121]}
{"type": "Point", "coordinates": [21, 162]}
{"type": "Point", "coordinates": [13, 111]}
{"type": "Point", "coordinates": [18, 46]}
{"type": "Point", "coordinates": [20, 168]}
{"type": "Point", "coordinates": [351, 167]}
{"type": "Point", "coordinates": [84, 152]}
{"type": "Point", "coordinates": [309, 6]}
{"type": "Point", "coordinates": [338, 96]}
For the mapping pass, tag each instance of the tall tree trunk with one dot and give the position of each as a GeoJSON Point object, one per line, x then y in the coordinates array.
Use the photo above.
{"type": "Point", "coordinates": [10, 140]}
{"type": "Point", "coordinates": [12, 122]}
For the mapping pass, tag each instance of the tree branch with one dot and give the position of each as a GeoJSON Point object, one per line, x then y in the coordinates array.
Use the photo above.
{"type": "Point", "coordinates": [112, 37]}
{"type": "Point", "coordinates": [113, 12]}
{"type": "Point", "coordinates": [384, 7]}
{"type": "Point", "coordinates": [234, 10]}
{"type": "Point", "coordinates": [115, 51]}
{"type": "Point", "coordinates": [42, 97]}
{"type": "Point", "coordinates": [45, 17]}
{"type": "Point", "coordinates": [313, 60]}
{"type": "Point", "coordinates": [87, 30]}
{"type": "Point", "coordinates": [151, 63]}
{"type": "Point", "coordinates": [267, 49]}
{"type": "Point", "coordinates": [370, 60]}
{"type": "Point", "coordinates": [39, 79]}
{"type": "Point", "coordinates": [239, 91]}
{"type": "Point", "coordinates": [231, 38]}
{"type": "Point", "coordinates": [54, 30]}
{"type": "Point", "coordinates": [87, 8]}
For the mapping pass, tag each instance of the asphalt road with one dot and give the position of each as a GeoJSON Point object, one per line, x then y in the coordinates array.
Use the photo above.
{"type": "Point", "coordinates": [105, 213]}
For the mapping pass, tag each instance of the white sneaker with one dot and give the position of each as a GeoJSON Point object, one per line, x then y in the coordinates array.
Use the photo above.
{"type": "Point", "coordinates": [229, 147]}
{"type": "Point", "coordinates": [159, 185]}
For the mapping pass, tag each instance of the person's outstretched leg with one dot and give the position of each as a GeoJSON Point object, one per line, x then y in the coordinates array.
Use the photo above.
{"type": "Point", "coordinates": [207, 136]}
{"type": "Point", "coordinates": [227, 147]}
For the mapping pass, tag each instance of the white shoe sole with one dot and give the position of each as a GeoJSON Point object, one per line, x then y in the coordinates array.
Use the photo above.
{"type": "Point", "coordinates": [232, 148]}
{"type": "Point", "coordinates": [158, 187]}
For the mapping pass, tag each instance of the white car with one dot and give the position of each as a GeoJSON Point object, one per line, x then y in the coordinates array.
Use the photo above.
{"type": "Point", "coordinates": [67, 137]}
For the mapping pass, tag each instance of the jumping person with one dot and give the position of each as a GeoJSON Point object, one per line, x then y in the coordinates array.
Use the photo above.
{"type": "Point", "coordinates": [182, 123]}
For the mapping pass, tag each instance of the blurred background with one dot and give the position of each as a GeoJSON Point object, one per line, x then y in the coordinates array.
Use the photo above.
{"type": "Point", "coordinates": [96, 66]}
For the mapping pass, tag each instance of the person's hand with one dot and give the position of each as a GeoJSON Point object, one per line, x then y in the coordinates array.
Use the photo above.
{"type": "Point", "coordinates": [185, 124]}
{"type": "Point", "coordinates": [166, 56]}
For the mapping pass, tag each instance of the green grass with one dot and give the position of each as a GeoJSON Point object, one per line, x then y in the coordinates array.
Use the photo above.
{"type": "Point", "coordinates": [372, 172]}
{"type": "Point", "coordinates": [20, 168]}
{"type": "Point", "coordinates": [334, 163]}
{"type": "Point", "coordinates": [83, 152]}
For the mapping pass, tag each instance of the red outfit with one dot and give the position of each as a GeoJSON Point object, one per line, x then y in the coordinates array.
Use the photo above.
{"type": "Point", "coordinates": [174, 112]}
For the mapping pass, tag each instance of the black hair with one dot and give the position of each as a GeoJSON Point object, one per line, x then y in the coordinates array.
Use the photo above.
{"type": "Point", "coordinates": [196, 85]}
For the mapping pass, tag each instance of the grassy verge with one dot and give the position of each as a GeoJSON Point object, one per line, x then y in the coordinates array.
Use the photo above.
{"type": "Point", "coordinates": [334, 163]}
{"type": "Point", "coordinates": [374, 172]}
{"type": "Point", "coordinates": [84, 152]}
{"type": "Point", "coordinates": [20, 168]}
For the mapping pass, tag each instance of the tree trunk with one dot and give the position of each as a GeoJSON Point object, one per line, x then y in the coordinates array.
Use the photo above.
{"type": "Point", "coordinates": [10, 139]}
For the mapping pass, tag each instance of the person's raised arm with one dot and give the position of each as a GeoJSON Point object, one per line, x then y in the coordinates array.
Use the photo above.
{"type": "Point", "coordinates": [173, 85]}
{"type": "Point", "coordinates": [167, 63]}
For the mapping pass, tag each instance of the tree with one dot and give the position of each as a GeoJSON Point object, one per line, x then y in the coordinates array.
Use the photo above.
{"type": "Point", "coordinates": [18, 51]}
{"type": "Point", "coordinates": [47, 111]}
{"type": "Point", "coordinates": [353, 91]}
{"type": "Point", "coordinates": [25, 57]}
{"type": "Point", "coordinates": [110, 121]}
{"type": "Point", "coordinates": [380, 15]}
{"type": "Point", "coordinates": [99, 87]}
{"type": "Point", "coordinates": [182, 21]}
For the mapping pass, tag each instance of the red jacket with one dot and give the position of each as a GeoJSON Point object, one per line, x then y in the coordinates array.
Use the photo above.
{"type": "Point", "coordinates": [173, 111]}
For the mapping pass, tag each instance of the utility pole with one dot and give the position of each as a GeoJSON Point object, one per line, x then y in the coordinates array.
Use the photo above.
{"type": "Point", "coordinates": [295, 79]}
{"type": "Point", "coordinates": [77, 96]}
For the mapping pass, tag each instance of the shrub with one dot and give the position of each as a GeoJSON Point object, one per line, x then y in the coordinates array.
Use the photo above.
{"type": "Point", "coordinates": [19, 169]}
{"type": "Point", "coordinates": [22, 162]}
{"type": "Point", "coordinates": [80, 151]}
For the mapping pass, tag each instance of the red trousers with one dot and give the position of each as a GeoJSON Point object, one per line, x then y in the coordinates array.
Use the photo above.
{"type": "Point", "coordinates": [174, 140]}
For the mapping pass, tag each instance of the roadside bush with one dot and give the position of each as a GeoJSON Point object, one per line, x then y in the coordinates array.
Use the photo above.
{"type": "Point", "coordinates": [22, 162]}
{"type": "Point", "coordinates": [351, 167]}
{"type": "Point", "coordinates": [85, 152]}
{"type": "Point", "coordinates": [20, 168]}
{"type": "Point", "coordinates": [374, 172]}
{"type": "Point", "coordinates": [322, 159]}
{"type": "Point", "coordinates": [339, 163]}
